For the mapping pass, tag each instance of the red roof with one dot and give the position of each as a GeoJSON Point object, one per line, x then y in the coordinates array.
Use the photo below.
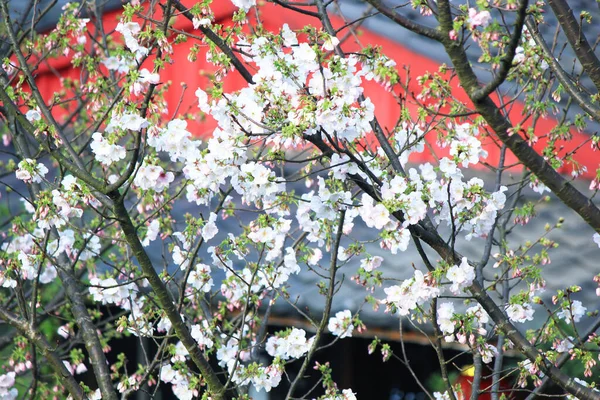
{"type": "Point", "coordinates": [192, 75]}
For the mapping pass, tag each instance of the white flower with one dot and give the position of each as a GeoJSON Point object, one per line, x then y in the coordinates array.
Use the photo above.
{"type": "Point", "coordinates": [209, 230]}
{"type": "Point", "coordinates": [153, 177]}
{"type": "Point", "coordinates": [200, 278]}
{"type": "Point", "coordinates": [461, 276]}
{"type": "Point", "coordinates": [412, 292]}
{"type": "Point", "coordinates": [341, 324]}
{"type": "Point", "coordinates": [563, 346]}
{"type": "Point", "coordinates": [330, 43]}
{"type": "Point", "coordinates": [576, 310]}
{"type": "Point", "coordinates": [152, 233]}
{"type": "Point", "coordinates": [375, 216]}
{"type": "Point", "coordinates": [119, 64]}
{"type": "Point", "coordinates": [371, 263]}
{"type": "Point", "coordinates": [444, 316]}
{"type": "Point", "coordinates": [201, 334]}
{"type": "Point", "coordinates": [132, 122]}
{"type": "Point", "coordinates": [105, 152]}
{"type": "Point", "coordinates": [198, 22]}
{"type": "Point", "coordinates": [289, 37]}
{"type": "Point", "coordinates": [129, 30]}
{"type": "Point", "coordinates": [294, 345]}
{"type": "Point", "coordinates": [245, 4]}
{"type": "Point", "coordinates": [148, 77]}
{"type": "Point", "coordinates": [520, 312]}
{"type": "Point", "coordinates": [30, 171]}
{"type": "Point", "coordinates": [202, 100]}
{"type": "Point", "coordinates": [481, 18]}
{"type": "Point", "coordinates": [7, 381]}
{"type": "Point", "coordinates": [33, 115]}
{"type": "Point", "coordinates": [488, 352]}
{"type": "Point", "coordinates": [441, 396]}
{"type": "Point", "coordinates": [167, 373]}
{"type": "Point", "coordinates": [596, 238]}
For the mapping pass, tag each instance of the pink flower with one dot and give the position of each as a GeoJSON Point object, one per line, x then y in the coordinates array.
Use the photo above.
{"type": "Point", "coordinates": [482, 18]}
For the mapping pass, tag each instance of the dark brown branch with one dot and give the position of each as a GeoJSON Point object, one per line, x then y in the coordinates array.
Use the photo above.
{"type": "Point", "coordinates": [164, 299]}
{"type": "Point", "coordinates": [562, 360]}
{"type": "Point", "coordinates": [584, 52]}
{"type": "Point", "coordinates": [486, 107]}
{"type": "Point", "coordinates": [563, 189]}
{"type": "Point", "coordinates": [89, 333]}
{"type": "Point", "coordinates": [564, 79]}
{"type": "Point", "coordinates": [218, 41]}
{"type": "Point", "coordinates": [406, 22]}
{"type": "Point", "coordinates": [284, 4]}
{"type": "Point", "coordinates": [507, 60]}
{"type": "Point", "coordinates": [66, 378]}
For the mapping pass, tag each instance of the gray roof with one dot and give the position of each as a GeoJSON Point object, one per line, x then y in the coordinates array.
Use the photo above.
{"type": "Point", "coordinates": [378, 23]}
{"type": "Point", "coordinates": [22, 10]}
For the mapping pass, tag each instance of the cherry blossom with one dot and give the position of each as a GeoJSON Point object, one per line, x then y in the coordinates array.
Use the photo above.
{"type": "Point", "coordinates": [244, 4]}
{"type": "Point", "coordinates": [33, 115]}
{"type": "Point", "coordinates": [371, 263]}
{"type": "Point", "coordinates": [411, 293]}
{"type": "Point", "coordinates": [7, 381]}
{"type": "Point", "coordinates": [341, 325]}
{"type": "Point", "coordinates": [479, 18]}
{"type": "Point", "coordinates": [520, 312]}
{"type": "Point", "coordinates": [445, 314]}
{"type": "Point", "coordinates": [461, 276]}
{"type": "Point", "coordinates": [30, 171]}
{"type": "Point", "coordinates": [153, 177]}
{"type": "Point", "coordinates": [106, 152]}
{"type": "Point", "coordinates": [575, 311]}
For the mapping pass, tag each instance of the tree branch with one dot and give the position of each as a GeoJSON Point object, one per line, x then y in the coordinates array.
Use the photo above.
{"type": "Point", "coordinates": [406, 22]}
{"type": "Point", "coordinates": [163, 298]}
{"type": "Point", "coordinates": [564, 79]}
{"type": "Point", "coordinates": [584, 52]}
{"type": "Point", "coordinates": [40, 341]}
{"type": "Point", "coordinates": [216, 39]}
{"type": "Point", "coordinates": [507, 60]}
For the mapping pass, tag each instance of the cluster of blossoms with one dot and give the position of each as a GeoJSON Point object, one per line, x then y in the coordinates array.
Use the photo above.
{"type": "Point", "coordinates": [421, 288]}
{"type": "Point", "coordinates": [7, 391]}
{"type": "Point", "coordinates": [574, 311]}
{"type": "Point", "coordinates": [411, 293]}
{"type": "Point", "coordinates": [341, 325]}
{"type": "Point", "coordinates": [106, 150]}
{"type": "Point", "coordinates": [528, 55]}
{"type": "Point", "coordinates": [153, 177]}
{"type": "Point", "coordinates": [130, 31]}
{"type": "Point", "coordinates": [479, 18]}
{"type": "Point", "coordinates": [298, 95]}
{"type": "Point", "coordinates": [30, 171]}
{"type": "Point", "coordinates": [179, 380]}
{"type": "Point", "coordinates": [23, 256]}
{"type": "Point", "coordinates": [289, 344]}
{"type": "Point", "coordinates": [520, 312]}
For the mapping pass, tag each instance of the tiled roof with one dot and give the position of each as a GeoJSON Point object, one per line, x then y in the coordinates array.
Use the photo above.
{"type": "Point", "coordinates": [378, 23]}
{"type": "Point", "coordinates": [21, 10]}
